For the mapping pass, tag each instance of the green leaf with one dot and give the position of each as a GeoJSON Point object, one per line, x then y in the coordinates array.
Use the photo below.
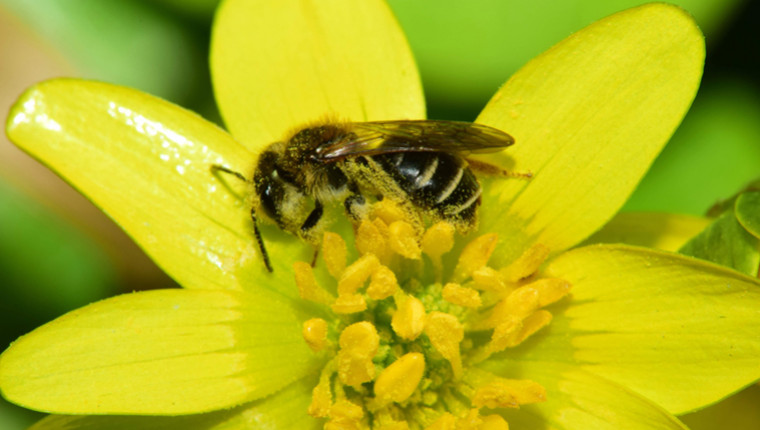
{"type": "Point", "coordinates": [726, 242]}
{"type": "Point", "coordinates": [748, 211]}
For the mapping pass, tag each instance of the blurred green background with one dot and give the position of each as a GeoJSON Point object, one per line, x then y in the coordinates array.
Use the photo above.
{"type": "Point", "coordinates": [58, 252]}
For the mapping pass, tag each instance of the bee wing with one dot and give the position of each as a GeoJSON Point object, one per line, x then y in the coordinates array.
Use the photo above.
{"type": "Point", "coordinates": [382, 137]}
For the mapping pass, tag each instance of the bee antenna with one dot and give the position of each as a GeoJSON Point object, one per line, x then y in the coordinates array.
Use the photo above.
{"type": "Point", "coordinates": [260, 241]}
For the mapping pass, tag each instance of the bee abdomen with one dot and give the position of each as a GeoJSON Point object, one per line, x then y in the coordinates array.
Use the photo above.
{"type": "Point", "coordinates": [436, 181]}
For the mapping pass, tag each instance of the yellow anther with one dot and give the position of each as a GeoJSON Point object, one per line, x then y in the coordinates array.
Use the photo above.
{"type": "Point", "coordinates": [471, 421]}
{"type": "Point", "coordinates": [445, 422]}
{"type": "Point", "coordinates": [388, 211]}
{"type": "Point", "coordinates": [403, 240]}
{"type": "Point", "coordinates": [493, 422]}
{"type": "Point", "coordinates": [321, 395]}
{"type": "Point", "coordinates": [505, 334]}
{"type": "Point", "coordinates": [489, 279]}
{"type": "Point", "coordinates": [518, 305]}
{"type": "Point", "coordinates": [359, 271]}
{"type": "Point", "coordinates": [369, 240]}
{"type": "Point", "coordinates": [358, 345]}
{"type": "Point", "coordinates": [349, 304]}
{"type": "Point", "coordinates": [508, 393]}
{"type": "Point", "coordinates": [383, 283]}
{"type": "Point", "coordinates": [527, 264]}
{"type": "Point", "coordinates": [308, 288]}
{"type": "Point", "coordinates": [474, 256]}
{"type": "Point", "coordinates": [438, 240]}
{"type": "Point", "coordinates": [462, 296]}
{"type": "Point", "coordinates": [345, 415]}
{"type": "Point", "coordinates": [532, 324]}
{"type": "Point", "coordinates": [409, 319]}
{"type": "Point", "coordinates": [550, 290]}
{"type": "Point", "coordinates": [399, 380]}
{"type": "Point", "coordinates": [315, 333]}
{"type": "Point", "coordinates": [445, 332]}
{"type": "Point", "coordinates": [334, 253]}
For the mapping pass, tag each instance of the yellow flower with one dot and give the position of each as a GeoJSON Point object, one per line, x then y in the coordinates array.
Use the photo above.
{"type": "Point", "coordinates": [643, 335]}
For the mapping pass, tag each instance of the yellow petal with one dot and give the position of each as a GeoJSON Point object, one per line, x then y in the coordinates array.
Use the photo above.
{"type": "Point", "coordinates": [576, 399]}
{"type": "Point", "coordinates": [147, 163]}
{"type": "Point", "coordinates": [680, 331]}
{"type": "Point", "coordinates": [650, 229]}
{"type": "Point", "coordinates": [159, 352]}
{"type": "Point", "coordinates": [285, 409]}
{"type": "Point", "coordinates": [280, 64]}
{"type": "Point", "coordinates": [589, 116]}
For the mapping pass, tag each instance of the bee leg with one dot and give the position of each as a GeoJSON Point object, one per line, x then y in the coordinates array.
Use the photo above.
{"type": "Point", "coordinates": [308, 226]}
{"type": "Point", "coordinates": [355, 205]}
{"type": "Point", "coordinates": [260, 241]}
{"type": "Point", "coordinates": [490, 169]}
{"type": "Point", "coordinates": [215, 168]}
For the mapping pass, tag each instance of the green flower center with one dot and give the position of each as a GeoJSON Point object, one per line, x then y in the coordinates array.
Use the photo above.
{"type": "Point", "coordinates": [403, 351]}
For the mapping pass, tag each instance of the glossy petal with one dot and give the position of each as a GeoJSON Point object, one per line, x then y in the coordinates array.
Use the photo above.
{"type": "Point", "coordinates": [650, 229]}
{"type": "Point", "coordinates": [302, 61]}
{"type": "Point", "coordinates": [158, 352]}
{"type": "Point", "coordinates": [577, 399]}
{"type": "Point", "coordinates": [589, 116]}
{"type": "Point", "coordinates": [679, 331]}
{"type": "Point", "coordinates": [285, 409]}
{"type": "Point", "coordinates": [147, 163]}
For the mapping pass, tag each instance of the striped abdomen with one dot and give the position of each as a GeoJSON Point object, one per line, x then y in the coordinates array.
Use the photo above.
{"type": "Point", "coordinates": [436, 181]}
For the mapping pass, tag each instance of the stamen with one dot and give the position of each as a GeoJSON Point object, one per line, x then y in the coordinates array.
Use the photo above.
{"type": "Point", "coordinates": [334, 253]}
{"type": "Point", "coordinates": [349, 304]}
{"type": "Point", "coordinates": [489, 279]}
{"type": "Point", "coordinates": [508, 393]}
{"type": "Point", "coordinates": [445, 332]}
{"type": "Point", "coordinates": [321, 395]}
{"type": "Point", "coordinates": [550, 290]}
{"type": "Point", "coordinates": [388, 211]}
{"type": "Point", "coordinates": [359, 271]}
{"type": "Point", "coordinates": [462, 296]}
{"type": "Point", "coordinates": [493, 422]}
{"type": "Point", "coordinates": [474, 256]}
{"type": "Point", "coordinates": [369, 239]}
{"type": "Point", "coordinates": [445, 422]}
{"type": "Point", "coordinates": [532, 324]}
{"type": "Point", "coordinates": [519, 304]}
{"type": "Point", "coordinates": [344, 415]}
{"type": "Point", "coordinates": [527, 264]}
{"type": "Point", "coordinates": [409, 319]}
{"type": "Point", "coordinates": [308, 288]}
{"type": "Point", "coordinates": [438, 240]}
{"type": "Point", "coordinates": [399, 380]}
{"type": "Point", "coordinates": [358, 345]}
{"type": "Point", "coordinates": [383, 284]}
{"type": "Point", "coordinates": [403, 240]}
{"type": "Point", "coordinates": [315, 333]}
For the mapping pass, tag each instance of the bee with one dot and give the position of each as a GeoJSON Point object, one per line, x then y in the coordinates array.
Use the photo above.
{"type": "Point", "coordinates": [420, 165]}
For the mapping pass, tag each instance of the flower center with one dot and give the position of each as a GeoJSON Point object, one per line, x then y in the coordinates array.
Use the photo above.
{"type": "Point", "coordinates": [403, 351]}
